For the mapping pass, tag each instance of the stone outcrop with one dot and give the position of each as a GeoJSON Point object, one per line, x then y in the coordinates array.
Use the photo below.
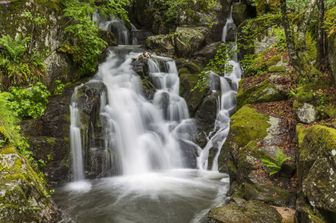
{"type": "Point", "coordinates": [23, 197]}
{"type": "Point", "coordinates": [316, 172]}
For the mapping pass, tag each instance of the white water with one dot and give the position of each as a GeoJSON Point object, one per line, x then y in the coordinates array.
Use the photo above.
{"type": "Point", "coordinates": [76, 144]}
{"type": "Point", "coordinates": [138, 128]}
{"type": "Point", "coordinates": [227, 103]}
{"type": "Point", "coordinates": [149, 139]}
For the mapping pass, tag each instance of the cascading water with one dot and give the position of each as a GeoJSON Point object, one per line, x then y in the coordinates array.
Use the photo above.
{"type": "Point", "coordinates": [76, 144]}
{"type": "Point", "coordinates": [148, 144]}
{"type": "Point", "coordinates": [226, 101]}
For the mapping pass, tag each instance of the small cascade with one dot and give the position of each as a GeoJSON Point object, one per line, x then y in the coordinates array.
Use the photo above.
{"type": "Point", "coordinates": [226, 102]}
{"type": "Point", "coordinates": [164, 74]}
{"type": "Point", "coordinates": [76, 143]}
{"type": "Point", "coordinates": [116, 26]}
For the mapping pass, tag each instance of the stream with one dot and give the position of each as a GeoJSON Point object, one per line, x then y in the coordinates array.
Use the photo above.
{"type": "Point", "coordinates": [152, 171]}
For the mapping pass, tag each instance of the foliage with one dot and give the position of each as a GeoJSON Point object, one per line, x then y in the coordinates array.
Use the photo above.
{"type": "Point", "coordinates": [59, 87]}
{"type": "Point", "coordinates": [175, 10]}
{"type": "Point", "coordinates": [329, 22]}
{"type": "Point", "coordinates": [115, 7]}
{"type": "Point", "coordinates": [29, 102]}
{"type": "Point", "coordinates": [17, 67]}
{"type": "Point", "coordinates": [84, 43]}
{"type": "Point", "coordinates": [274, 165]}
{"type": "Point", "coordinates": [220, 65]}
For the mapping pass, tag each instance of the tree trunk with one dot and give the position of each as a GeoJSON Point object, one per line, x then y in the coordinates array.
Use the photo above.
{"type": "Point", "coordinates": [292, 52]}
{"type": "Point", "coordinates": [302, 29]}
{"type": "Point", "coordinates": [322, 43]}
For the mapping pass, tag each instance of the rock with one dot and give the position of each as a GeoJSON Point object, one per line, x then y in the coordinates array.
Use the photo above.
{"type": "Point", "coordinates": [109, 37]}
{"type": "Point", "coordinates": [255, 136]}
{"type": "Point", "coordinates": [263, 89]}
{"type": "Point", "coordinates": [209, 51]}
{"type": "Point", "coordinates": [205, 117]}
{"type": "Point", "coordinates": [317, 167]}
{"type": "Point", "coordinates": [287, 214]}
{"type": "Point", "coordinates": [23, 197]}
{"type": "Point", "coordinates": [161, 44]}
{"type": "Point", "coordinates": [58, 67]}
{"type": "Point", "coordinates": [184, 42]}
{"type": "Point", "coordinates": [307, 113]}
{"type": "Point", "coordinates": [188, 40]}
{"type": "Point", "coordinates": [239, 12]}
{"type": "Point", "coordinates": [244, 212]}
{"type": "Point", "coordinates": [48, 137]}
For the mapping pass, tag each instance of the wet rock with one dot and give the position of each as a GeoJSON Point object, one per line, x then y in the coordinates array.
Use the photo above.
{"type": "Point", "coordinates": [316, 167]}
{"type": "Point", "coordinates": [307, 113]}
{"type": "Point", "coordinates": [244, 212]}
{"type": "Point", "coordinates": [23, 197]}
{"type": "Point", "coordinates": [239, 12]}
{"type": "Point", "coordinates": [48, 137]}
{"type": "Point", "coordinates": [205, 117]}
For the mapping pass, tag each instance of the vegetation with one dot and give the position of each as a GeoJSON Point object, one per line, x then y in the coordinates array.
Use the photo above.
{"type": "Point", "coordinates": [29, 102]}
{"type": "Point", "coordinates": [17, 66]}
{"type": "Point", "coordinates": [220, 65]}
{"type": "Point", "coordinates": [274, 165]}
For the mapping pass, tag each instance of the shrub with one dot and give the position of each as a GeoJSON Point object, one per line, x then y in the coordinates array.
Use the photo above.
{"type": "Point", "coordinates": [29, 102]}
{"type": "Point", "coordinates": [17, 66]}
{"type": "Point", "coordinates": [84, 43]}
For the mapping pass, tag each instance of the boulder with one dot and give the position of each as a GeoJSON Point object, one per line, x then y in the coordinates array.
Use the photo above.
{"type": "Point", "coordinates": [187, 40]}
{"type": "Point", "coordinates": [161, 44]}
{"type": "Point", "coordinates": [183, 42]}
{"type": "Point", "coordinates": [317, 168]}
{"type": "Point", "coordinates": [307, 113]}
{"type": "Point", "coordinates": [23, 197]}
{"type": "Point", "coordinates": [265, 88]}
{"type": "Point", "coordinates": [244, 212]}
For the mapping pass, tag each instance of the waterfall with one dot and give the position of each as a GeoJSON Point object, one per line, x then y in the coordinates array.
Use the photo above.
{"type": "Point", "coordinates": [115, 25]}
{"type": "Point", "coordinates": [141, 130]}
{"type": "Point", "coordinates": [76, 143]}
{"type": "Point", "coordinates": [226, 101]}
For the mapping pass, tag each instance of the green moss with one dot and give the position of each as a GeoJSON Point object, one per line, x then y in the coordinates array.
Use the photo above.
{"type": "Point", "coordinates": [263, 92]}
{"type": "Point", "coordinates": [277, 69]}
{"type": "Point", "coordinates": [248, 125]}
{"type": "Point", "coordinates": [23, 195]}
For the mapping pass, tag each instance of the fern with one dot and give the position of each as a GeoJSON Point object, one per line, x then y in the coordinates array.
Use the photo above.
{"type": "Point", "coordinates": [274, 165]}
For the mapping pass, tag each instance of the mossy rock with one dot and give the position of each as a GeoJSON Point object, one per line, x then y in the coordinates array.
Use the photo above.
{"type": "Point", "coordinates": [188, 40]}
{"type": "Point", "coordinates": [267, 193]}
{"type": "Point", "coordinates": [23, 196]}
{"type": "Point", "coordinates": [161, 44]}
{"type": "Point", "coordinates": [244, 212]}
{"type": "Point", "coordinates": [247, 125]}
{"type": "Point", "coordinates": [265, 91]}
{"type": "Point", "coordinates": [316, 166]}
{"type": "Point", "coordinates": [184, 42]}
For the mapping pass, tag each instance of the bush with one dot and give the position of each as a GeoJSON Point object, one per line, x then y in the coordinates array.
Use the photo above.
{"type": "Point", "coordinates": [17, 66]}
{"type": "Point", "coordinates": [29, 102]}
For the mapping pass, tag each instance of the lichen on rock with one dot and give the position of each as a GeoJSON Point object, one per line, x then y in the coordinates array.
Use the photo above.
{"type": "Point", "coordinates": [23, 197]}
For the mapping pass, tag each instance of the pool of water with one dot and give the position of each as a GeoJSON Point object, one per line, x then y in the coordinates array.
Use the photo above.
{"type": "Point", "coordinates": [176, 196]}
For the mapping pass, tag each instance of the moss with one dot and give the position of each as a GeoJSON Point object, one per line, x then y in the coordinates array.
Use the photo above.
{"type": "Point", "coordinates": [263, 92]}
{"type": "Point", "coordinates": [51, 140]}
{"type": "Point", "coordinates": [277, 69]}
{"type": "Point", "coordinates": [247, 125]}
{"type": "Point", "coordinates": [23, 195]}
